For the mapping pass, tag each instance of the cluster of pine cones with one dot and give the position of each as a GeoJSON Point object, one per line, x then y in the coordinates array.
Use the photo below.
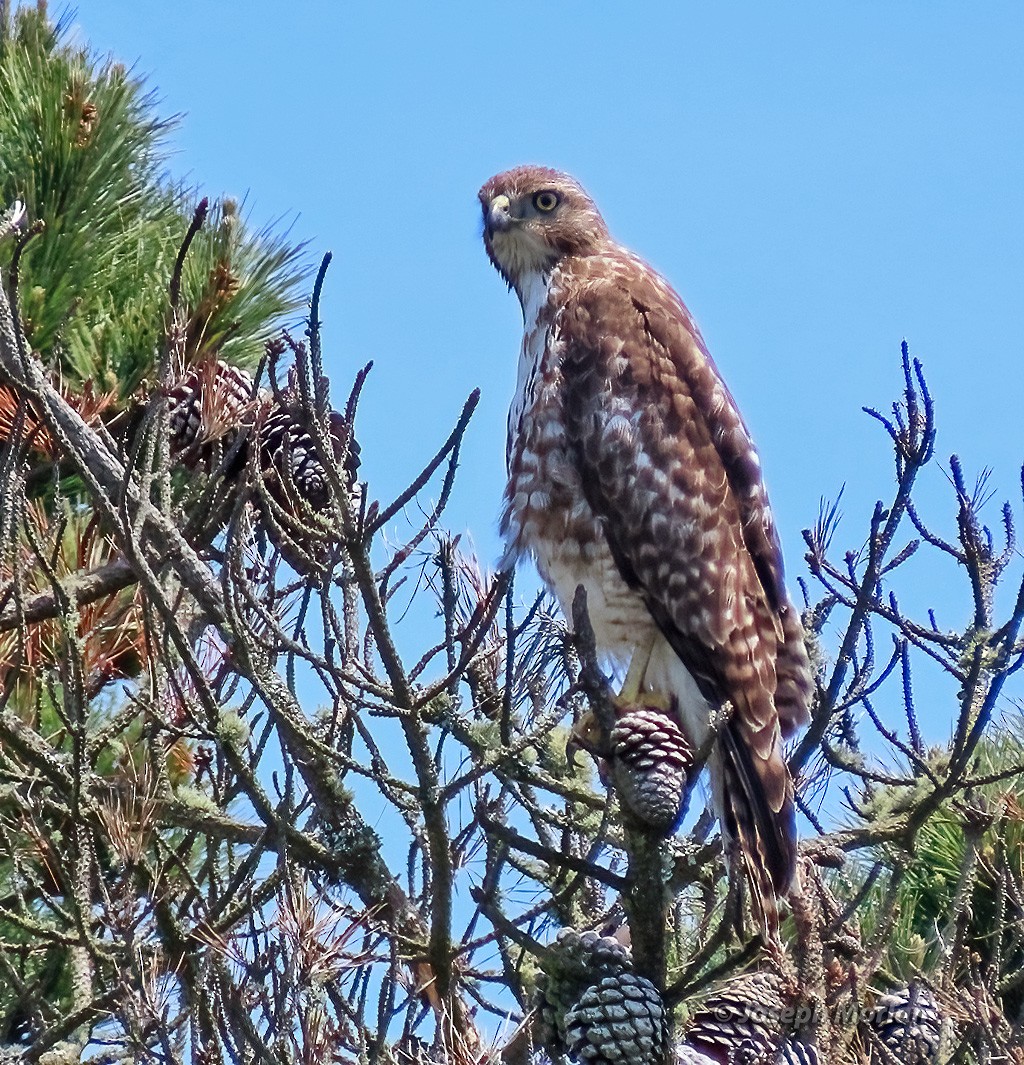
{"type": "Point", "coordinates": [594, 1008]}
{"type": "Point", "coordinates": [207, 410]}
{"type": "Point", "coordinates": [747, 1021]}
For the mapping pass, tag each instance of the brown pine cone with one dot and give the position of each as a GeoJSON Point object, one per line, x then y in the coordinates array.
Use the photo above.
{"type": "Point", "coordinates": [294, 492]}
{"type": "Point", "coordinates": [290, 461]}
{"type": "Point", "coordinates": [650, 757]}
{"type": "Point", "coordinates": [797, 1052]}
{"type": "Point", "coordinates": [208, 404]}
{"type": "Point", "coordinates": [742, 1020]}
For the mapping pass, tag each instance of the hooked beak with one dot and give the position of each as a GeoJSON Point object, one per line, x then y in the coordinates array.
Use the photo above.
{"type": "Point", "coordinates": [499, 217]}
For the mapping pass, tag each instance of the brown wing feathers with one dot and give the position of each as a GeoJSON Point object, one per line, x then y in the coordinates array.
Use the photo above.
{"type": "Point", "coordinates": [667, 464]}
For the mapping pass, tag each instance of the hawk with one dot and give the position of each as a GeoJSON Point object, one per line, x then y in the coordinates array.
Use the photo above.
{"type": "Point", "coordinates": [632, 473]}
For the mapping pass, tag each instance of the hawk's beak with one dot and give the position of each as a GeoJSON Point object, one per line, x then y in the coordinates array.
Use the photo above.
{"type": "Point", "coordinates": [499, 217]}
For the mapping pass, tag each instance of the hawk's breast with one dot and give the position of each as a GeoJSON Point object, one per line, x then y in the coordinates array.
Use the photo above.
{"type": "Point", "coordinates": [546, 513]}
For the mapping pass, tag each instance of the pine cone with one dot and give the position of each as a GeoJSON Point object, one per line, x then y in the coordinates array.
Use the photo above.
{"type": "Point", "coordinates": [209, 403]}
{"type": "Point", "coordinates": [650, 757]}
{"type": "Point", "coordinates": [909, 1024]}
{"type": "Point", "coordinates": [687, 1055]}
{"type": "Point", "coordinates": [574, 962]}
{"type": "Point", "coordinates": [296, 480]}
{"type": "Point", "coordinates": [742, 1021]}
{"type": "Point", "coordinates": [619, 1019]}
{"type": "Point", "coordinates": [289, 458]}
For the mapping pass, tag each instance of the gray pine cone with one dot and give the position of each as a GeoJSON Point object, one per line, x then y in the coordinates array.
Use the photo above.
{"type": "Point", "coordinates": [797, 1052]}
{"type": "Point", "coordinates": [575, 961]}
{"type": "Point", "coordinates": [208, 403]}
{"type": "Point", "coordinates": [620, 1019]}
{"type": "Point", "coordinates": [909, 1024]}
{"type": "Point", "coordinates": [650, 757]}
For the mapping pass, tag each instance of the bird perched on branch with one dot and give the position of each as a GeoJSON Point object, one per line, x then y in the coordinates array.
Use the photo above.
{"type": "Point", "coordinates": [632, 474]}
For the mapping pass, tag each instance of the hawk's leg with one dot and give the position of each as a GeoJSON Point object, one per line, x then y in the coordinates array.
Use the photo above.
{"type": "Point", "coordinates": [650, 757]}
{"type": "Point", "coordinates": [633, 693]}
{"type": "Point", "coordinates": [586, 733]}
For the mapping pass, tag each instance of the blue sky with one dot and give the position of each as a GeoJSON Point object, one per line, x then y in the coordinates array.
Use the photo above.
{"type": "Point", "coordinates": [818, 180]}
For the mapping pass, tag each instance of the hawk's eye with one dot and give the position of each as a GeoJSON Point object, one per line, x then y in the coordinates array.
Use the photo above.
{"type": "Point", "coordinates": [546, 201]}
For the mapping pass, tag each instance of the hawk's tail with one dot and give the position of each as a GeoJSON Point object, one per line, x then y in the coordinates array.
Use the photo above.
{"type": "Point", "coordinates": [765, 837]}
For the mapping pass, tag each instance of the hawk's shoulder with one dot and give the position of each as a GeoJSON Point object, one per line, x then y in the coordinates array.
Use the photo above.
{"type": "Point", "coordinates": [617, 296]}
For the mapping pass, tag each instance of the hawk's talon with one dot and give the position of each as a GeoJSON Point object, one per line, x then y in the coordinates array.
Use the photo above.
{"type": "Point", "coordinates": [586, 735]}
{"type": "Point", "coordinates": [661, 701]}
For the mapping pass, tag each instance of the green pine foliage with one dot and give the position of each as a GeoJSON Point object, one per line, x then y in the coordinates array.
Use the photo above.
{"type": "Point", "coordinates": [82, 145]}
{"type": "Point", "coordinates": [964, 881]}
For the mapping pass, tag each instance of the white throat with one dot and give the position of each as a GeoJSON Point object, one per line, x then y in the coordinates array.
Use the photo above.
{"type": "Point", "coordinates": [533, 294]}
{"type": "Point", "coordinates": [533, 290]}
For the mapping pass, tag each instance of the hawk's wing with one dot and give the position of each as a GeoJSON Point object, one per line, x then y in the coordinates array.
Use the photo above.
{"type": "Point", "coordinates": [668, 466]}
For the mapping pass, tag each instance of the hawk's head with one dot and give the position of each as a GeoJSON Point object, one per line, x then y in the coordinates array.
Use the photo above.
{"type": "Point", "coordinates": [533, 216]}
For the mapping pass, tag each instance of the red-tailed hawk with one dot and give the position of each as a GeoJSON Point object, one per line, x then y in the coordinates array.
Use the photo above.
{"type": "Point", "coordinates": [631, 472]}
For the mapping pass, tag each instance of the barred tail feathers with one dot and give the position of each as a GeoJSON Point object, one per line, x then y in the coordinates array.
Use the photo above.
{"type": "Point", "coordinates": [757, 836]}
